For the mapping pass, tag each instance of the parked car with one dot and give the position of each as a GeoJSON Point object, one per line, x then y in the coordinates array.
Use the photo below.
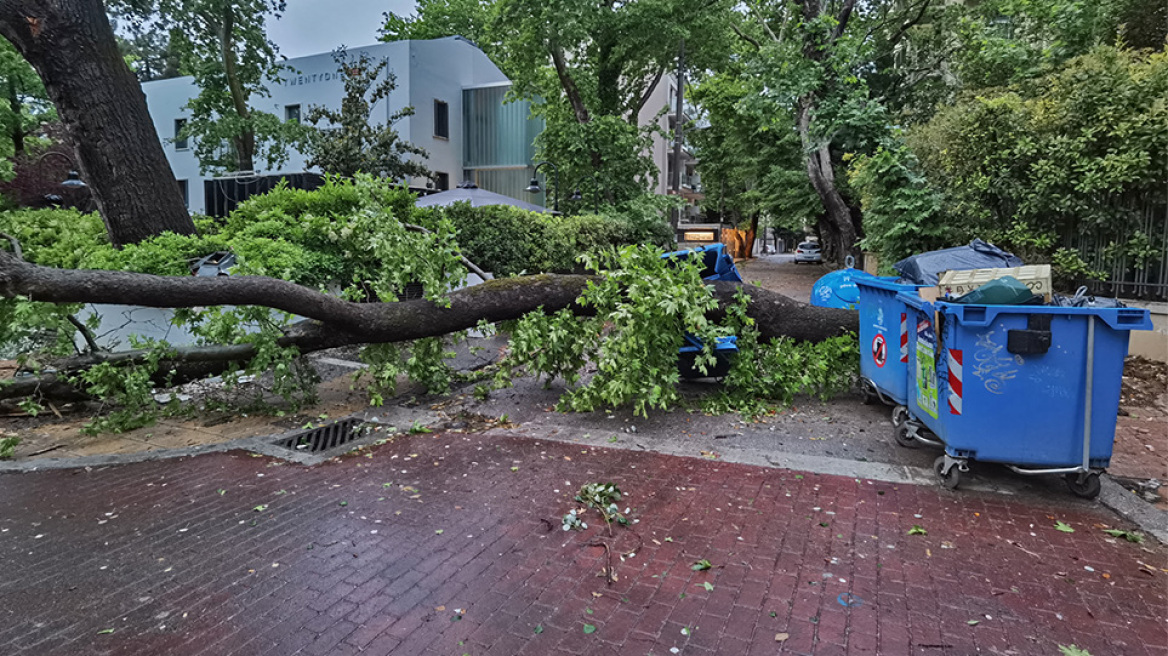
{"type": "Point", "coordinates": [808, 252]}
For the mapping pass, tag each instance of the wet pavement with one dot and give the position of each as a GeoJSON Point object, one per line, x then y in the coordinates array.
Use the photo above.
{"type": "Point", "coordinates": [452, 544]}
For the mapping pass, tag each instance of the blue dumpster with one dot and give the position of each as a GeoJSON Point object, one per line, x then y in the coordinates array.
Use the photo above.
{"type": "Point", "coordinates": [883, 339]}
{"type": "Point", "coordinates": [838, 289]}
{"type": "Point", "coordinates": [717, 265]}
{"type": "Point", "coordinates": [1035, 388]}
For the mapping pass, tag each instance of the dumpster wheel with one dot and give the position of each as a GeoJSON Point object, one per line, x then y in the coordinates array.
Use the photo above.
{"type": "Point", "coordinates": [951, 479]}
{"type": "Point", "coordinates": [1087, 486]}
{"type": "Point", "coordinates": [899, 415]}
{"type": "Point", "coordinates": [904, 437]}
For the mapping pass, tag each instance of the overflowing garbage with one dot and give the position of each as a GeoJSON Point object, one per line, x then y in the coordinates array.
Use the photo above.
{"type": "Point", "coordinates": [978, 355]}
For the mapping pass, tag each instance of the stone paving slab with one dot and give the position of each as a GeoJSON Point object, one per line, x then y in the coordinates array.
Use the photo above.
{"type": "Point", "coordinates": [451, 544]}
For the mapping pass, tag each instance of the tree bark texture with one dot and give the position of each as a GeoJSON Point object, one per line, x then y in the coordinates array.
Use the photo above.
{"type": "Point", "coordinates": [817, 156]}
{"type": "Point", "coordinates": [333, 322]}
{"type": "Point", "coordinates": [71, 45]}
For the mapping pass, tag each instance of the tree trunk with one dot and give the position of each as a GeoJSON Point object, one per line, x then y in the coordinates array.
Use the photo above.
{"type": "Point", "coordinates": [334, 322]}
{"type": "Point", "coordinates": [71, 45]}
{"type": "Point", "coordinates": [245, 142]}
{"type": "Point", "coordinates": [821, 172]}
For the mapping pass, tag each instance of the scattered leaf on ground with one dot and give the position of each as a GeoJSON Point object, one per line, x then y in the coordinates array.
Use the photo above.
{"type": "Point", "coordinates": [973, 622]}
{"type": "Point", "coordinates": [105, 631]}
{"type": "Point", "coordinates": [1073, 650]}
{"type": "Point", "coordinates": [701, 566]}
{"type": "Point", "coordinates": [917, 530]}
{"type": "Point", "coordinates": [589, 628]}
{"type": "Point", "coordinates": [439, 531]}
{"type": "Point", "coordinates": [1064, 527]}
{"type": "Point", "coordinates": [260, 508]}
{"type": "Point", "coordinates": [782, 637]}
{"type": "Point", "coordinates": [538, 629]}
{"type": "Point", "coordinates": [708, 586]}
{"type": "Point", "coordinates": [1130, 536]}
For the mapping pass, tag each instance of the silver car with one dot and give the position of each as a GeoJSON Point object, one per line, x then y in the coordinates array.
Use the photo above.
{"type": "Point", "coordinates": [808, 252]}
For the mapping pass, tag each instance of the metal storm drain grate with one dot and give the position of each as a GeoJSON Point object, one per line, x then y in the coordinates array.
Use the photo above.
{"type": "Point", "coordinates": [323, 438]}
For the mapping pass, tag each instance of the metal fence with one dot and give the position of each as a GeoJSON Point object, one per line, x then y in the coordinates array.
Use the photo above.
{"type": "Point", "coordinates": [1127, 278]}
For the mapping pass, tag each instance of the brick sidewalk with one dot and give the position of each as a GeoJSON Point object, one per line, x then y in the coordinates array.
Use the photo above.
{"type": "Point", "coordinates": [434, 545]}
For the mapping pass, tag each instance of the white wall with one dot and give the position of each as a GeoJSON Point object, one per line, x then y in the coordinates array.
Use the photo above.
{"type": "Point", "coordinates": [425, 70]}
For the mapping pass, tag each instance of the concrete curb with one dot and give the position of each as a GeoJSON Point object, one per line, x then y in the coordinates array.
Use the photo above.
{"type": "Point", "coordinates": [1150, 519]}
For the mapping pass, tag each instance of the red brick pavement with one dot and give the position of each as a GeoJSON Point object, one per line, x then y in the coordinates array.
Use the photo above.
{"type": "Point", "coordinates": [470, 559]}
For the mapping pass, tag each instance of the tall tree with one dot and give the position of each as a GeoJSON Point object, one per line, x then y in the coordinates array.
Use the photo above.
{"type": "Point", "coordinates": [71, 45]}
{"type": "Point", "coordinates": [347, 140]}
{"type": "Point", "coordinates": [595, 66]}
{"type": "Point", "coordinates": [28, 105]}
{"type": "Point", "coordinates": [224, 46]}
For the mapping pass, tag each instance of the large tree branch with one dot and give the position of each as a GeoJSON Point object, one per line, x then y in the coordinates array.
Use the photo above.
{"type": "Point", "coordinates": [334, 322]}
{"type": "Point", "coordinates": [569, 85]}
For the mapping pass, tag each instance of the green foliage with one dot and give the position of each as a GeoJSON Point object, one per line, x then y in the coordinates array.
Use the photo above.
{"type": "Point", "coordinates": [224, 46]}
{"type": "Point", "coordinates": [8, 445]}
{"type": "Point", "coordinates": [51, 237]}
{"type": "Point", "coordinates": [602, 497]}
{"type": "Point", "coordinates": [901, 211]}
{"type": "Point", "coordinates": [508, 241]}
{"type": "Point", "coordinates": [643, 304]}
{"type": "Point", "coordinates": [1066, 154]}
{"type": "Point", "coordinates": [350, 141]}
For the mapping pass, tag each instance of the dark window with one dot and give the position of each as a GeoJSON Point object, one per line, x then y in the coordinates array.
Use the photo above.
{"type": "Point", "coordinates": [292, 113]}
{"type": "Point", "coordinates": [442, 181]}
{"type": "Point", "coordinates": [180, 142]}
{"type": "Point", "coordinates": [184, 189]}
{"type": "Point", "coordinates": [441, 119]}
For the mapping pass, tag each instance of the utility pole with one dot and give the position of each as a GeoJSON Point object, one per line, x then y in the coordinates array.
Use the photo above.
{"type": "Point", "coordinates": [678, 134]}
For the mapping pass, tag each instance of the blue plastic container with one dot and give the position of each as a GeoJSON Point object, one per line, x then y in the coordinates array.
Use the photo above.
{"type": "Point", "coordinates": [884, 336]}
{"type": "Point", "coordinates": [718, 265]}
{"type": "Point", "coordinates": [1009, 383]}
{"type": "Point", "coordinates": [838, 289]}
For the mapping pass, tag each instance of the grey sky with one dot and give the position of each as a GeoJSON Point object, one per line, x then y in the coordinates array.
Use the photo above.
{"type": "Point", "coordinates": [309, 27]}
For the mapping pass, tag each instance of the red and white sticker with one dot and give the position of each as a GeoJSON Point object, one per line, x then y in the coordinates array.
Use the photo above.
{"type": "Point", "coordinates": [879, 350]}
{"type": "Point", "coordinates": [955, 381]}
{"type": "Point", "coordinates": [903, 337]}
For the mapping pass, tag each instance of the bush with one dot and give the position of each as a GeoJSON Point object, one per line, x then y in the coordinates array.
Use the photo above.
{"type": "Point", "coordinates": [509, 241]}
{"type": "Point", "coordinates": [58, 238]}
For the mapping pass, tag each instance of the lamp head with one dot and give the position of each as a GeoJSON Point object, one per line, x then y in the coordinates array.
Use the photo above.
{"type": "Point", "coordinates": [74, 181]}
{"type": "Point", "coordinates": [534, 187]}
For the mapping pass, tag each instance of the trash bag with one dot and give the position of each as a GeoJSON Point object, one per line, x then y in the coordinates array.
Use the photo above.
{"type": "Point", "coordinates": [925, 268]}
{"type": "Point", "coordinates": [1006, 290]}
{"type": "Point", "coordinates": [1081, 299]}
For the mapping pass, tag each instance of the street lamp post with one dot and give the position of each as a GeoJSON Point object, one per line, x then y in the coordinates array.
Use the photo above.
{"type": "Point", "coordinates": [577, 196]}
{"type": "Point", "coordinates": [534, 187]}
{"type": "Point", "coordinates": [73, 180]}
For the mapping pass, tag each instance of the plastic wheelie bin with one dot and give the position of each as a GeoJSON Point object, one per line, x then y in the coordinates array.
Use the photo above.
{"type": "Point", "coordinates": [717, 265]}
{"type": "Point", "coordinates": [884, 342]}
{"type": "Point", "coordinates": [1035, 388]}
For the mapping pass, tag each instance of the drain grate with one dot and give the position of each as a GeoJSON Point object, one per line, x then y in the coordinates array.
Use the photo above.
{"type": "Point", "coordinates": [323, 438]}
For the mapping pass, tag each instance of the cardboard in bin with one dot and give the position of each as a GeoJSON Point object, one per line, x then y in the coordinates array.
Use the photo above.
{"type": "Point", "coordinates": [959, 283]}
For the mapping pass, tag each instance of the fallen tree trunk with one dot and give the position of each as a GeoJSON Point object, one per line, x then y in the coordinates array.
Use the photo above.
{"type": "Point", "coordinates": [332, 322]}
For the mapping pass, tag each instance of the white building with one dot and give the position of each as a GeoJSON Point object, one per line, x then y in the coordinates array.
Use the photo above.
{"type": "Point", "coordinates": [460, 119]}
{"type": "Point", "coordinates": [432, 76]}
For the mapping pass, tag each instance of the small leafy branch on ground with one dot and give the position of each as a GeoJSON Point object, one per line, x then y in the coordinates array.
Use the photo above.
{"type": "Point", "coordinates": [601, 497]}
{"type": "Point", "coordinates": [8, 445]}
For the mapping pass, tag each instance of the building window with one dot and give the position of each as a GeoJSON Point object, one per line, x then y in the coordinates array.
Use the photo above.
{"type": "Point", "coordinates": [180, 142]}
{"type": "Point", "coordinates": [441, 120]}
{"type": "Point", "coordinates": [292, 113]}
{"type": "Point", "coordinates": [442, 181]}
{"type": "Point", "coordinates": [185, 190]}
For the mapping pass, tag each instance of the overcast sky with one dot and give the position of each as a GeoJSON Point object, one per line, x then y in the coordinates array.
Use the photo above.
{"type": "Point", "coordinates": [309, 27]}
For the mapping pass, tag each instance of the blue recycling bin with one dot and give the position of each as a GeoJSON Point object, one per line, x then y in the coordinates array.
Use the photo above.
{"type": "Point", "coordinates": [717, 265]}
{"type": "Point", "coordinates": [838, 289]}
{"type": "Point", "coordinates": [1035, 388]}
{"type": "Point", "coordinates": [884, 337]}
